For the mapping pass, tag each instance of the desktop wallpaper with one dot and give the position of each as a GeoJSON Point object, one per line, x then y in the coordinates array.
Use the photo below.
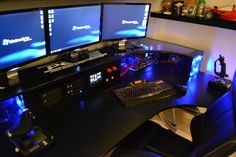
{"type": "Point", "coordinates": [72, 27]}
{"type": "Point", "coordinates": [21, 38]}
{"type": "Point", "coordinates": [124, 21]}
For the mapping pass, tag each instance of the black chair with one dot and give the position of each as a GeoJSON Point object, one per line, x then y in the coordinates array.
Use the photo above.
{"type": "Point", "coordinates": [213, 134]}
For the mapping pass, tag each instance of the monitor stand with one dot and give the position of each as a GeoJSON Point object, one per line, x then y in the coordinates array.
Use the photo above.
{"type": "Point", "coordinates": [123, 45]}
{"type": "Point", "coordinates": [75, 55]}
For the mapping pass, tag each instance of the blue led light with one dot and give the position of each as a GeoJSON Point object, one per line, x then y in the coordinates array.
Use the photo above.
{"type": "Point", "coordinates": [82, 104]}
{"type": "Point", "coordinates": [31, 133]}
{"type": "Point", "coordinates": [13, 107]}
{"type": "Point", "coordinates": [210, 64]}
{"type": "Point", "coordinates": [196, 65]}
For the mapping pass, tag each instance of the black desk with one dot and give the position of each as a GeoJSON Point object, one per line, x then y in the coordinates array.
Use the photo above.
{"type": "Point", "coordinates": [92, 126]}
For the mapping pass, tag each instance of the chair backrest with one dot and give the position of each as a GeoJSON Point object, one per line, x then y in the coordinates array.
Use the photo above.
{"type": "Point", "coordinates": [219, 127]}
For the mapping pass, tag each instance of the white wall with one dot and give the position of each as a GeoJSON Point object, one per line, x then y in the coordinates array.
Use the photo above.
{"type": "Point", "coordinates": [22, 4]}
{"type": "Point", "coordinates": [212, 40]}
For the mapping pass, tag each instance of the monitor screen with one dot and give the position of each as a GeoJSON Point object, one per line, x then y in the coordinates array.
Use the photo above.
{"type": "Point", "coordinates": [70, 28]}
{"type": "Point", "coordinates": [22, 38]}
{"type": "Point", "coordinates": [123, 21]}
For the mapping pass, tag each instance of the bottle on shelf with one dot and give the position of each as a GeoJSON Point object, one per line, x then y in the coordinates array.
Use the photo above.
{"type": "Point", "coordinates": [201, 8]}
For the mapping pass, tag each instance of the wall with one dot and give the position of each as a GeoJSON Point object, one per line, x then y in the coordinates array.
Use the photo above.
{"type": "Point", "coordinates": [22, 4]}
{"type": "Point", "coordinates": [212, 40]}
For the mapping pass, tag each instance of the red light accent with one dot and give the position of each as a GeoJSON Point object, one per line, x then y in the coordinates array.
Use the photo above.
{"type": "Point", "coordinates": [114, 68]}
{"type": "Point", "coordinates": [125, 71]}
{"type": "Point", "coordinates": [109, 70]}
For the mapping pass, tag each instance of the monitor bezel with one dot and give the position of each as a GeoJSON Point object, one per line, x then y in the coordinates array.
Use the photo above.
{"type": "Point", "coordinates": [76, 47]}
{"type": "Point", "coordinates": [117, 39]}
{"type": "Point", "coordinates": [8, 12]}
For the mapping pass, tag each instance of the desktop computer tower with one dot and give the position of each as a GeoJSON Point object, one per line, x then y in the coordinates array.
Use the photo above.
{"type": "Point", "coordinates": [180, 65]}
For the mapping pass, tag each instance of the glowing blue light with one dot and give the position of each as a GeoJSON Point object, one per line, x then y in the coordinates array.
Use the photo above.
{"type": "Point", "coordinates": [159, 47]}
{"type": "Point", "coordinates": [20, 103]}
{"type": "Point", "coordinates": [84, 40]}
{"type": "Point", "coordinates": [144, 46]}
{"type": "Point", "coordinates": [21, 56]}
{"type": "Point", "coordinates": [148, 74]}
{"type": "Point", "coordinates": [78, 68]}
{"type": "Point", "coordinates": [31, 133]}
{"type": "Point", "coordinates": [82, 104]}
{"type": "Point", "coordinates": [14, 107]}
{"type": "Point", "coordinates": [210, 64]}
{"type": "Point", "coordinates": [81, 91]}
{"type": "Point", "coordinates": [198, 58]}
{"type": "Point", "coordinates": [38, 44]}
{"type": "Point", "coordinates": [131, 32]}
{"type": "Point", "coordinates": [196, 65]}
{"type": "Point", "coordinates": [146, 54]}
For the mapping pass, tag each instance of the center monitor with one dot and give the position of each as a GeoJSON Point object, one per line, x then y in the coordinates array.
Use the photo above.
{"type": "Point", "coordinates": [125, 21]}
{"type": "Point", "coordinates": [22, 37]}
{"type": "Point", "coordinates": [73, 27]}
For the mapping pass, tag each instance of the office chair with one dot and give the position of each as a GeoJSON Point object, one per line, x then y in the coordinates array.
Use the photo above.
{"type": "Point", "coordinates": [213, 134]}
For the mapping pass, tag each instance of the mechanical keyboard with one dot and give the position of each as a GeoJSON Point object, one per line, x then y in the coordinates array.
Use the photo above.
{"type": "Point", "coordinates": [144, 93]}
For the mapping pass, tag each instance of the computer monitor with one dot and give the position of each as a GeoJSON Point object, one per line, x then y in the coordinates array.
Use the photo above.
{"type": "Point", "coordinates": [22, 38]}
{"type": "Point", "coordinates": [125, 21]}
{"type": "Point", "coordinates": [73, 27]}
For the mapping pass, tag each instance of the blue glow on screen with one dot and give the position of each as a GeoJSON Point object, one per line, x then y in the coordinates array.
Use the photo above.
{"type": "Point", "coordinates": [22, 38]}
{"type": "Point", "coordinates": [124, 21]}
{"type": "Point", "coordinates": [11, 111]}
{"type": "Point", "coordinates": [132, 32]}
{"type": "Point", "coordinates": [38, 44]}
{"type": "Point", "coordinates": [27, 54]}
{"type": "Point", "coordinates": [85, 39]}
{"type": "Point", "coordinates": [73, 27]}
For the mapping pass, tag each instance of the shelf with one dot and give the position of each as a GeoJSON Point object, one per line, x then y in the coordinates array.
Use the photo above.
{"type": "Point", "coordinates": [215, 23]}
